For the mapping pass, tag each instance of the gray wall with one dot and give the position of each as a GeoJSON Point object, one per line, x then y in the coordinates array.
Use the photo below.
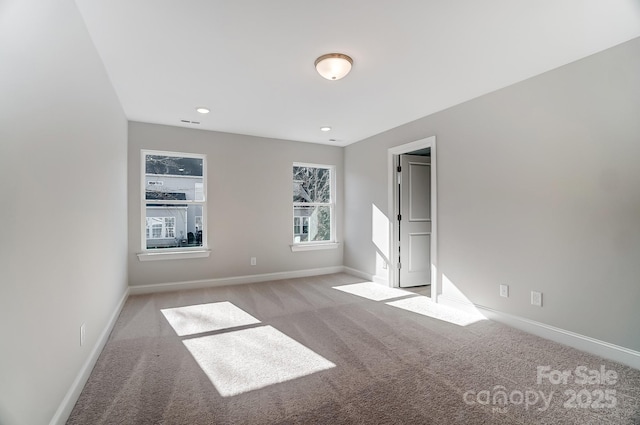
{"type": "Point", "coordinates": [63, 138]}
{"type": "Point", "coordinates": [250, 204]}
{"type": "Point", "coordinates": [538, 189]}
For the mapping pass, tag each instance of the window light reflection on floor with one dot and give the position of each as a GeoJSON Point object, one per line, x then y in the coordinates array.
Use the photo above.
{"type": "Point", "coordinates": [238, 359]}
{"type": "Point", "coordinates": [249, 359]}
{"type": "Point", "coordinates": [411, 302]}
{"type": "Point", "coordinates": [424, 306]}
{"type": "Point", "coordinates": [373, 291]}
{"type": "Point", "coordinates": [195, 319]}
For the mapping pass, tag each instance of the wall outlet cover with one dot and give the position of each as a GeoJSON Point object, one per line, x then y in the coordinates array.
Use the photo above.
{"type": "Point", "coordinates": [83, 333]}
{"type": "Point", "coordinates": [536, 298]}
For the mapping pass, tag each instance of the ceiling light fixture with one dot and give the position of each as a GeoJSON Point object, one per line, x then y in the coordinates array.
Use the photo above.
{"type": "Point", "coordinates": [333, 66]}
{"type": "Point", "coordinates": [325, 128]}
{"type": "Point", "coordinates": [203, 110]}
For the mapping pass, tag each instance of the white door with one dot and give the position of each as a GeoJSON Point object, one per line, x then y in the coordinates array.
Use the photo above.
{"type": "Point", "coordinates": [415, 220]}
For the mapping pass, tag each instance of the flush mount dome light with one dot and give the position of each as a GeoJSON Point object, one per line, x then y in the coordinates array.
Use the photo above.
{"type": "Point", "coordinates": [325, 128]}
{"type": "Point", "coordinates": [203, 110]}
{"type": "Point", "coordinates": [333, 66]}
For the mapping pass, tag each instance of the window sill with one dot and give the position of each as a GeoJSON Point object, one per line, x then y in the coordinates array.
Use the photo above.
{"type": "Point", "coordinates": [173, 255]}
{"type": "Point", "coordinates": [314, 246]}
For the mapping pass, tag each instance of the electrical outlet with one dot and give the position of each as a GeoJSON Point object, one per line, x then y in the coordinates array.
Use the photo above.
{"type": "Point", "coordinates": [83, 333]}
{"type": "Point", "coordinates": [536, 298]}
{"type": "Point", "coordinates": [504, 291]}
{"type": "Point", "coordinates": [253, 261]}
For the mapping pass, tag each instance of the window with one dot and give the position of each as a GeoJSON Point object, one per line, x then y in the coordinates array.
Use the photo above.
{"type": "Point", "coordinates": [169, 227]}
{"type": "Point", "coordinates": [313, 204]}
{"type": "Point", "coordinates": [301, 229]}
{"type": "Point", "coordinates": [157, 231]}
{"type": "Point", "coordinates": [160, 228]}
{"type": "Point", "coordinates": [173, 201]}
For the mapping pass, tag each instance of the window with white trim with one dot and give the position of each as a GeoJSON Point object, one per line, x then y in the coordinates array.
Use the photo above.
{"type": "Point", "coordinates": [313, 203]}
{"type": "Point", "coordinates": [173, 201]}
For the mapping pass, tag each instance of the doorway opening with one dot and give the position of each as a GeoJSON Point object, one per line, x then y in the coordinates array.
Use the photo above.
{"type": "Point", "coordinates": [413, 212]}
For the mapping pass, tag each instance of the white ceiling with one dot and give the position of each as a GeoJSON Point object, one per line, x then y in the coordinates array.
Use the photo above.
{"type": "Point", "coordinates": [251, 61]}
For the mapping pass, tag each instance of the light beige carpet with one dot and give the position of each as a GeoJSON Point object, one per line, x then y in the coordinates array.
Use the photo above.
{"type": "Point", "coordinates": [337, 350]}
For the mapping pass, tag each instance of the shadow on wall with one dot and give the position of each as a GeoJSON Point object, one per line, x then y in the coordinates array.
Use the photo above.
{"type": "Point", "coordinates": [452, 294]}
{"type": "Point", "coordinates": [380, 232]}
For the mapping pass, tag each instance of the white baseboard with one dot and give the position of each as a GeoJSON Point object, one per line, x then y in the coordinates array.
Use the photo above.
{"type": "Point", "coordinates": [591, 345]}
{"type": "Point", "coordinates": [380, 280]}
{"type": "Point", "coordinates": [71, 397]}
{"type": "Point", "coordinates": [357, 273]}
{"type": "Point", "coordinates": [366, 276]}
{"type": "Point", "coordinates": [600, 348]}
{"type": "Point", "coordinates": [208, 283]}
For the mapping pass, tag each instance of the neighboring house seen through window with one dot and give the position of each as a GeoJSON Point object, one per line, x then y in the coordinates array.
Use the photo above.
{"type": "Point", "coordinates": [313, 203]}
{"type": "Point", "coordinates": [161, 227]}
{"type": "Point", "coordinates": [174, 203]}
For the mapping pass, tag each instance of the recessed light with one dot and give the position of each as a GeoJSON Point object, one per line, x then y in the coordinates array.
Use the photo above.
{"type": "Point", "coordinates": [332, 140]}
{"type": "Point", "coordinates": [325, 128]}
{"type": "Point", "coordinates": [203, 110]}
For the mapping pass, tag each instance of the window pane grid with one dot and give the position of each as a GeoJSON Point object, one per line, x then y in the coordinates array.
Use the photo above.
{"type": "Point", "coordinates": [313, 203]}
{"type": "Point", "coordinates": [173, 200]}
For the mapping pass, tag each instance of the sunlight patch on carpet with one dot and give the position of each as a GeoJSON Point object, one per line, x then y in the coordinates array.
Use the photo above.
{"type": "Point", "coordinates": [424, 306]}
{"type": "Point", "coordinates": [373, 291]}
{"type": "Point", "coordinates": [249, 359]}
{"type": "Point", "coordinates": [195, 319]}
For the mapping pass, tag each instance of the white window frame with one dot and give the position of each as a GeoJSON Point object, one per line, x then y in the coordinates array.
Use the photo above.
{"type": "Point", "coordinates": [313, 245]}
{"type": "Point", "coordinates": [175, 252]}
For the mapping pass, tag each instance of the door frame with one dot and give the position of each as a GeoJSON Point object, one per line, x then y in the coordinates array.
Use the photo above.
{"type": "Point", "coordinates": [392, 206]}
